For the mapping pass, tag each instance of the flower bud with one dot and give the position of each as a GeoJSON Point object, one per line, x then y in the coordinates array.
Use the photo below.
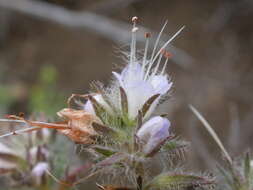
{"type": "Point", "coordinates": [153, 133]}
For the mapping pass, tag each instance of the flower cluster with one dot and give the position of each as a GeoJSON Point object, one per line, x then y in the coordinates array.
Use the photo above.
{"type": "Point", "coordinates": [26, 157]}
{"type": "Point", "coordinates": [135, 93]}
{"type": "Point", "coordinates": [119, 127]}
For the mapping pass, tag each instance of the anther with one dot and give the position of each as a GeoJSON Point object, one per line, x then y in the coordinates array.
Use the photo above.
{"type": "Point", "coordinates": [167, 54]}
{"type": "Point", "coordinates": [134, 19]}
{"type": "Point", "coordinates": [147, 35]}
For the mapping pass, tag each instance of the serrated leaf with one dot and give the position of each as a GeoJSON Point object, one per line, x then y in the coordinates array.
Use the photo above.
{"type": "Point", "coordinates": [176, 181]}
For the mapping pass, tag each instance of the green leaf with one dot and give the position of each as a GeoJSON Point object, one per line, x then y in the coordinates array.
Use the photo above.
{"type": "Point", "coordinates": [175, 144]}
{"type": "Point", "coordinates": [104, 150]}
{"type": "Point", "coordinates": [178, 180]}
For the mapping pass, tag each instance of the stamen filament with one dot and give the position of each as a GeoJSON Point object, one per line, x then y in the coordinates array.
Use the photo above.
{"type": "Point", "coordinates": [164, 46]}
{"type": "Point", "coordinates": [157, 65]}
{"type": "Point", "coordinates": [153, 53]}
{"type": "Point", "coordinates": [164, 66]}
{"type": "Point", "coordinates": [144, 62]}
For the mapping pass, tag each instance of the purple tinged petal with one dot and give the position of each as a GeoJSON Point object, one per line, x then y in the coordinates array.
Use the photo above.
{"type": "Point", "coordinates": [154, 132]}
{"type": "Point", "coordinates": [161, 84]}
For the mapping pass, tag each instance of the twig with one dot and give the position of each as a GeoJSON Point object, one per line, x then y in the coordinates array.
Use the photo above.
{"type": "Point", "coordinates": [106, 27]}
{"type": "Point", "coordinates": [109, 6]}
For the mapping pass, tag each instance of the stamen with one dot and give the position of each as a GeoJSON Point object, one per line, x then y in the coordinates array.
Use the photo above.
{"type": "Point", "coordinates": [164, 46]}
{"type": "Point", "coordinates": [153, 52]}
{"type": "Point", "coordinates": [147, 36]}
{"type": "Point", "coordinates": [164, 66]}
{"type": "Point", "coordinates": [157, 65]}
{"type": "Point", "coordinates": [134, 19]}
{"type": "Point", "coordinates": [133, 44]}
{"type": "Point", "coordinates": [167, 55]}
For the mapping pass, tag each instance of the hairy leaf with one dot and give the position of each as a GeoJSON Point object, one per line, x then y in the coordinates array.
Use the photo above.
{"type": "Point", "coordinates": [175, 144]}
{"type": "Point", "coordinates": [178, 180]}
{"type": "Point", "coordinates": [104, 150]}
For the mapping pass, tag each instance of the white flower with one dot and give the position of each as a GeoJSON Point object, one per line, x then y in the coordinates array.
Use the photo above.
{"type": "Point", "coordinates": [154, 132]}
{"type": "Point", "coordinates": [38, 171]}
{"type": "Point", "coordinates": [141, 79]}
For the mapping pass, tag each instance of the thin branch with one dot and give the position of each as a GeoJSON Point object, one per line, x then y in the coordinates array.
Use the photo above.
{"type": "Point", "coordinates": [103, 26]}
{"type": "Point", "coordinates": [109, 6]}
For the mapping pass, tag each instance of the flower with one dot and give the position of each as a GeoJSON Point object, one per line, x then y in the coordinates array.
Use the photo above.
{"type": "Point", "coordinates": [153, 133]}
{"type": "Point", "coordinates": [143, 80]}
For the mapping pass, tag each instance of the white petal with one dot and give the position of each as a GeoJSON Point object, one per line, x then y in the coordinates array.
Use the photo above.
{"type": "Point", "coordinates": [137, 94]}
{"type": "Point", "coordinates": [131, 74]}
{"type": "Point", "coordinates": [161, 84]}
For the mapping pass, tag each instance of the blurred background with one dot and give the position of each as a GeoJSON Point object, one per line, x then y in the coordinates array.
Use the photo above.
{"type": "Point", "coordinates": [50, 49]}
